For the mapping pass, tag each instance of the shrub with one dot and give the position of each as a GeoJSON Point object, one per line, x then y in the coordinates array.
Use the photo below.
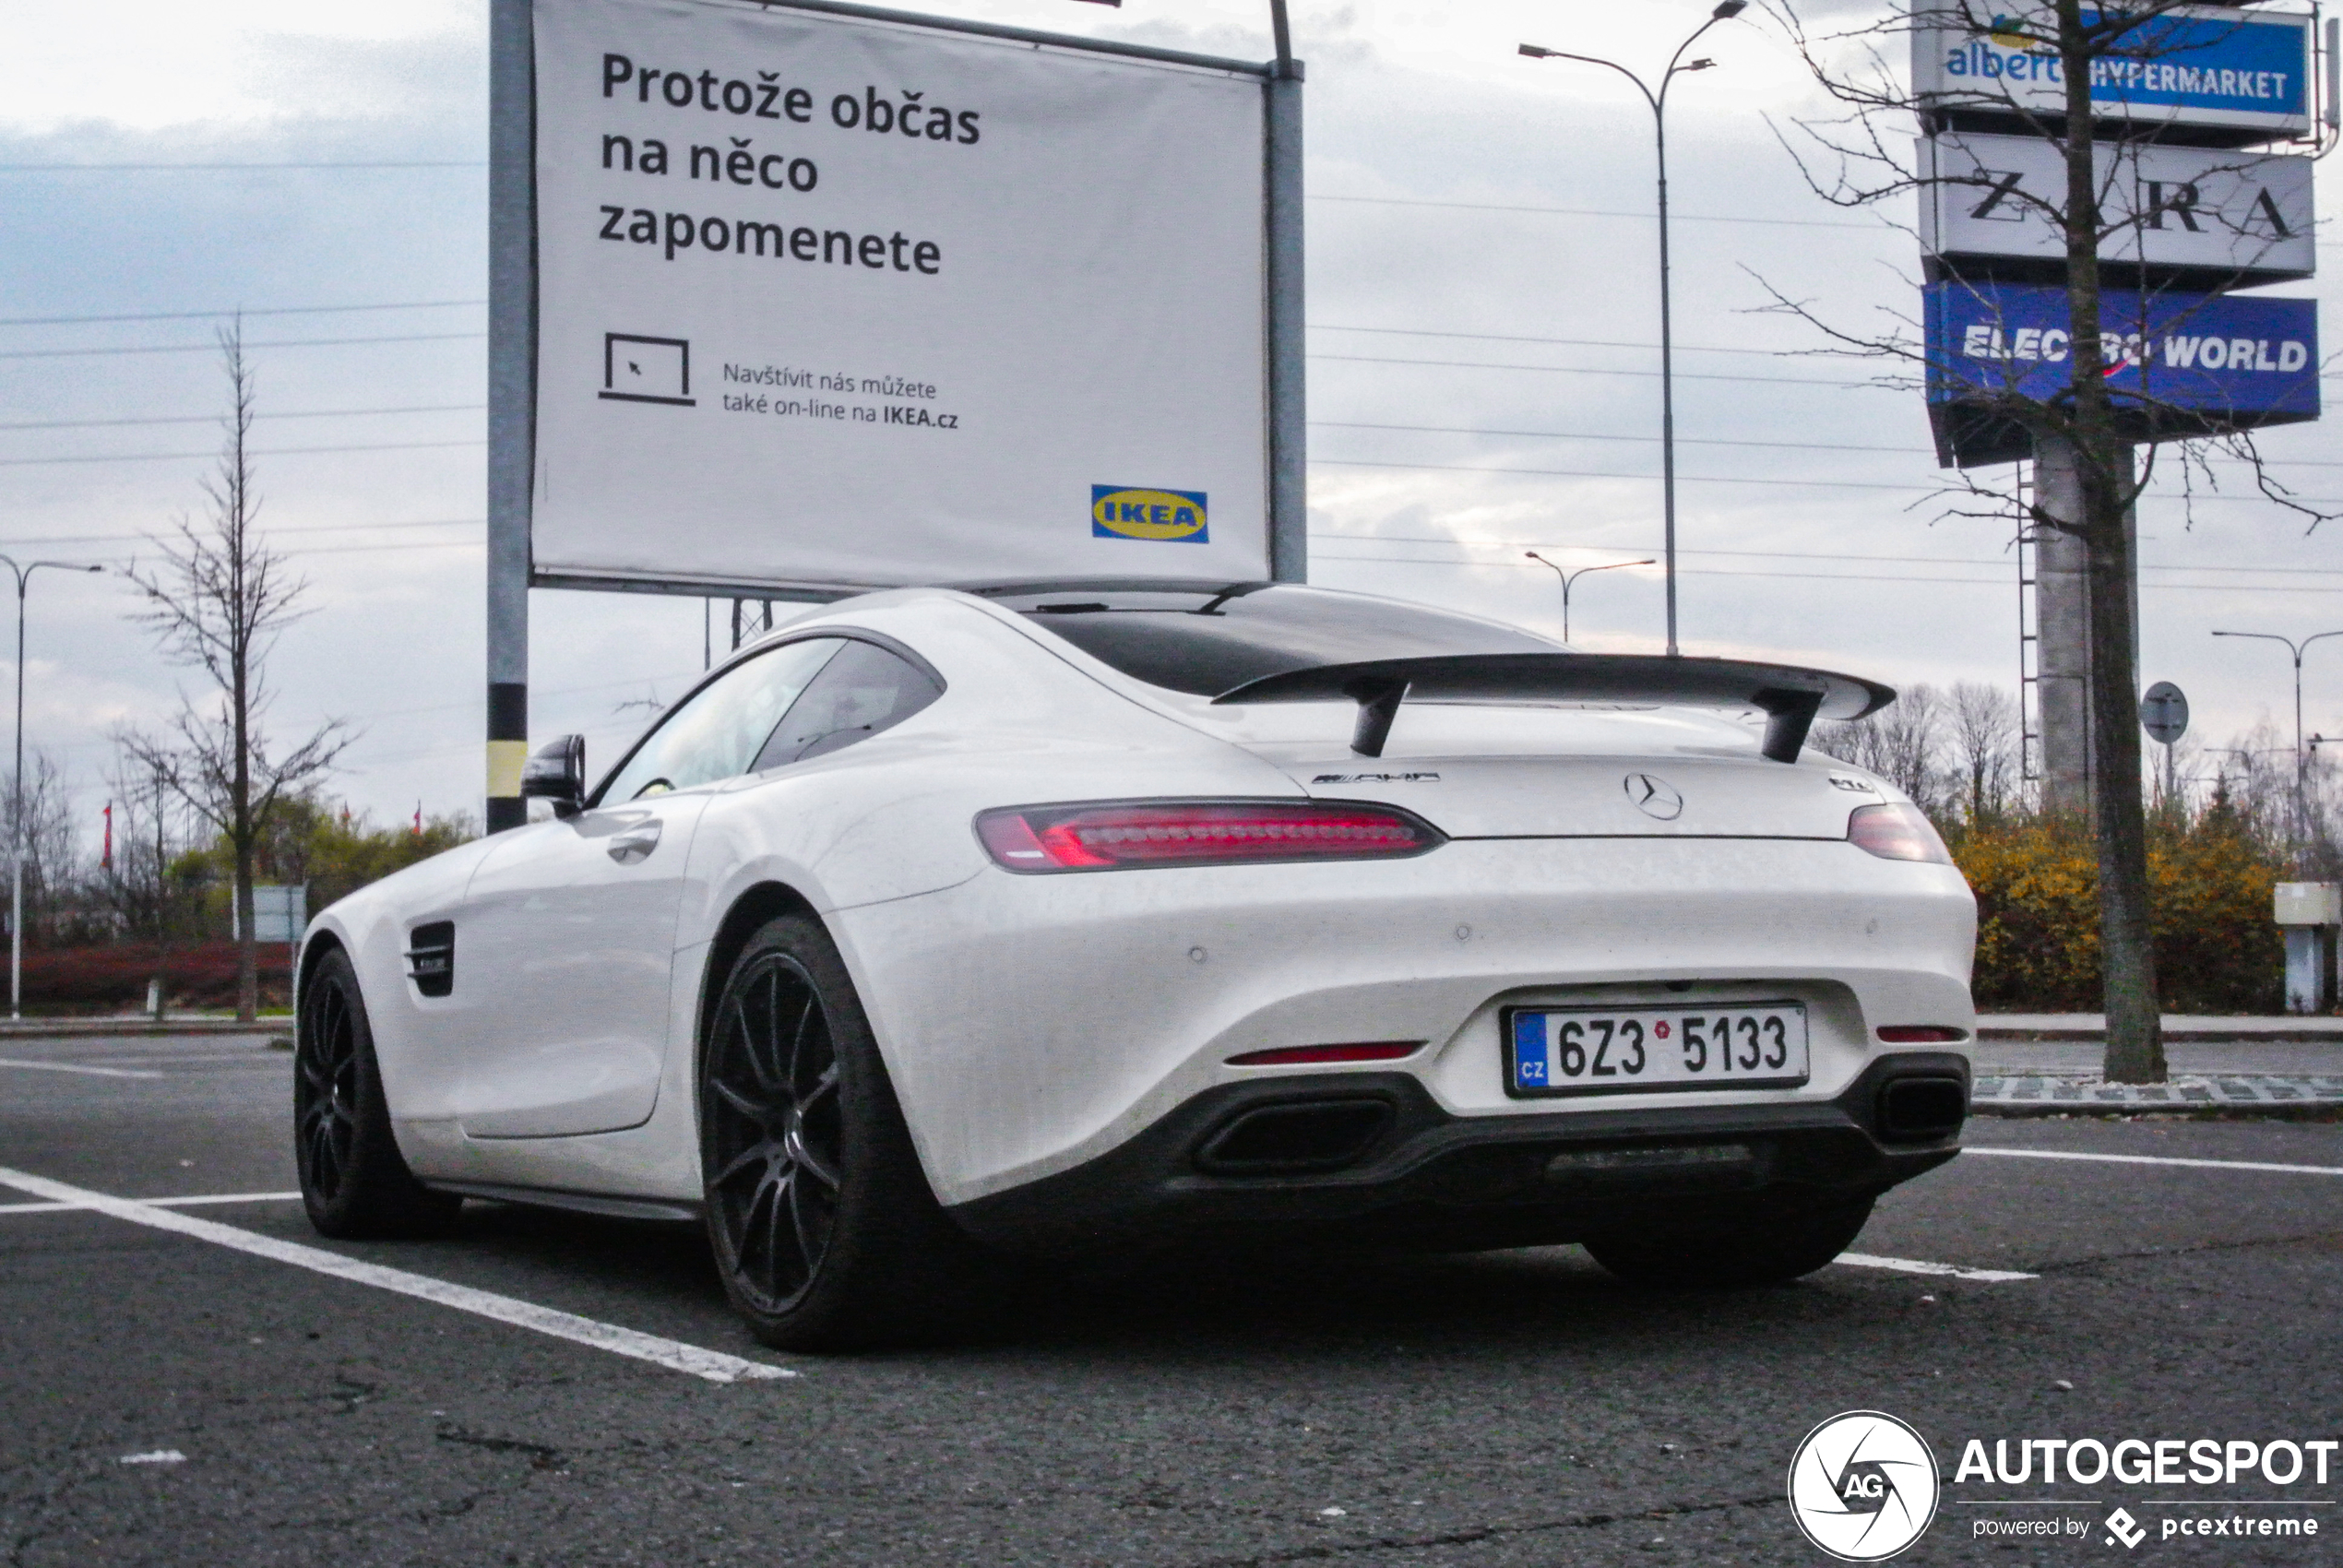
{"type": "Point", "coordinates": [2037, 885]}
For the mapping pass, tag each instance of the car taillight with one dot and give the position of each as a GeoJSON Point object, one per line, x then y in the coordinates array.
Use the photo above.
{"type": "Point", "coordinates": [1896, 832]}
{"type": "Point", "coordinates": [1292, 1055]}
{"type": "Point", "coordinates": [1114, 835]}
{"type": "Point", "coordinates": [1921, 1034]}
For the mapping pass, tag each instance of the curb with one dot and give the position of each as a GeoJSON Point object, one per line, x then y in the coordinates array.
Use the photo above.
{"type": "Point", "coordinates": [2186, 1036]}
{"type": "Point", "coordinates": [83, 1029]}
{"type": "Point", "coordinates": [2084, 1094]}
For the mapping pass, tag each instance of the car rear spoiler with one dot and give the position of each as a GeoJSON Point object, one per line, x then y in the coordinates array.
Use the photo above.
{"type": "Point", "coordinates": [1790, 697]}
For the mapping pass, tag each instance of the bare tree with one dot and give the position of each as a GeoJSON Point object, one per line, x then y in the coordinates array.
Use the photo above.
{"type": "Point", "coordinates": [1867, 157]}
{"type": "Point", "coordinates": [49, 840]}
{"type": "Point", "coordinates": [1903, 743]}
{"type": "Point", "coordinates": [136, 888]}
{"type": "Point", "coordinates": [1984, 727]}
{"type": "Point", "coordinates": [2257, 772]}
{"type": "Point", "coordinates": [218, 603]}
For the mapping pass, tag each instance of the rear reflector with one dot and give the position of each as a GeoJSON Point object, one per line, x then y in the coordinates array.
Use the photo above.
{"type": "Point", "coordinates": [1111, 835]}
{"type": "Point", "coordinates": [1896, 832]}
{"type": "Point", "coordinates": [1921, 1034]}
{"type": "Point", "coordinates": [1380, 1050]}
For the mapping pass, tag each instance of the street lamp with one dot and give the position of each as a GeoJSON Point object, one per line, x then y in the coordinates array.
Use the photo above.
{"type": "Point", "coordinates": [1569, 577]}
{"type": "Point", "coordinates": [1726, 11]}
{"type": "Point", "coordinates": [2301, 808]}
{"type": "Point", "coordinates": [16, 806]}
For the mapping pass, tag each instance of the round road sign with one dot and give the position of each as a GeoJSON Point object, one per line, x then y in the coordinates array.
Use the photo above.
{"type": "Point", "coordinates": [2164, 712]}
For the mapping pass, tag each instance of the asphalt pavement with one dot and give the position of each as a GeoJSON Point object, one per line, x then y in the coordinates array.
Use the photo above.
{"type": "Point", "coordinates": [204, 1395]}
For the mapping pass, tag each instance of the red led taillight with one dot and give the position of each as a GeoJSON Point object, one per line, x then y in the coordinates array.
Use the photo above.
{"type": "Point", "coordinates": [1921, 1034]}
{"type": "Point", "coordinates": [1113, 834]}
{"type": "Point", "coordinates": [1290, 1055]}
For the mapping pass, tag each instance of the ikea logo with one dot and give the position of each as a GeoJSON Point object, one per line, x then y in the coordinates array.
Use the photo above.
{"type": "Point", "coordinates": [1126, 512]}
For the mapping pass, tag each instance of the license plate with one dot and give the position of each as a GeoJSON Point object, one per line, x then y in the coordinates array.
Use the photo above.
{"type": "Point", "coordinates": [1585, 1051]}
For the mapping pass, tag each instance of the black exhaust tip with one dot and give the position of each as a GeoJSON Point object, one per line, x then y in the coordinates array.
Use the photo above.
{"type": "Point", "coordinates": [1271, 1140]}
{"type": "Point", "coordinates": [1920, 1109]}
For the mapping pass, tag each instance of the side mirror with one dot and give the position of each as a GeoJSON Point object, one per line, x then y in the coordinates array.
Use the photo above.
{"type": "Point", "coordinates": [556, 772]}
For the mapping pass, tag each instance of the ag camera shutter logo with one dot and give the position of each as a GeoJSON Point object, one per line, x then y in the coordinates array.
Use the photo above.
{"type": "Point", "coordinates": [1119, 511]}
{"type": "Point", "coordinates": [1863, 1486]}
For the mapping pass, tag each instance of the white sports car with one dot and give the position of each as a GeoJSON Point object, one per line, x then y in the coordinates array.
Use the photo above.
{"type": "Point", "coordinates": [1044, 919]}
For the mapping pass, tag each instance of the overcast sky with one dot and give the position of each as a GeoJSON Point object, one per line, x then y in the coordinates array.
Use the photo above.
{"type": "Point", "coordinates": [1483, 321]}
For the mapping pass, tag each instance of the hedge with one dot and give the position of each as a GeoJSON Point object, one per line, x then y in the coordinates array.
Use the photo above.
{"type": "Point", "coordinates": [2037, 884]}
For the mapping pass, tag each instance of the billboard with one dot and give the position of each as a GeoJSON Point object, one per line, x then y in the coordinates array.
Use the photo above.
{"type": "Point", "coordinates": [829, 300]}
{"type": "Point", "coordinates": [2210, 67]}
{"type": "Point", "coordinates": [2229, 217]}
{"type": "Point", "coordinates": [2181, 365]}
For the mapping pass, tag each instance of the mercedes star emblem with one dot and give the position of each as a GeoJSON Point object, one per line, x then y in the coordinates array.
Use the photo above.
{"type": "Point", "coordinates": [1654, 797]}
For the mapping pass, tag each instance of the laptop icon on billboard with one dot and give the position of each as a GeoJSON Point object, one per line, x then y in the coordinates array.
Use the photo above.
{"type": "Point", "coordinates": [647, 370]}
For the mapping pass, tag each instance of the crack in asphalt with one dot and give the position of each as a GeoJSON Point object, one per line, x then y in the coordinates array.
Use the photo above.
{"type": "Point", "coordinates": [1479, 1533]}
{"type": "Point", "coordinates": [542, 1456]}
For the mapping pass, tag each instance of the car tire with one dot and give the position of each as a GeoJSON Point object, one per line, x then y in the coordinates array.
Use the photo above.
{"type": "Point", "coordinates": [826, 1233]}
{"type": "Point", "coordinates": [1766, 1248]}
{"type": "Point", "coordinates": [354, 1182]}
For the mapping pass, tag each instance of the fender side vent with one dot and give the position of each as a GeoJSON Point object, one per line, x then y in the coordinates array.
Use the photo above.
{"type": "Point", "coordinates": [1273, 1140]}
{"type": "Point", "coordinates": [431, 958]}
{"type": "Point", "coordinates": [1918, 1110]}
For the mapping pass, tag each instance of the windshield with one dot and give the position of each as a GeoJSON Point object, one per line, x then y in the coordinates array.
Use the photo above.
{"type": "Point", "coordinates": [1207, 638]}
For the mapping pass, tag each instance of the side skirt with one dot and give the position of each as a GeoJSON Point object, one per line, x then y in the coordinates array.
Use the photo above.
{"type": "Point", "coordinates": [577, 1203]}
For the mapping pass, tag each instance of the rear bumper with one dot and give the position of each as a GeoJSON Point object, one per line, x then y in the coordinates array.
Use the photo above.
{"type": "Point", "coordinates": [1033, 1023]}
{"type": "Point", "coordinates": [1371, 1156]}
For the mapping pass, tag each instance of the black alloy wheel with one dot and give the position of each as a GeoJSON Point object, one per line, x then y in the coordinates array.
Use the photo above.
{"type": "Point", "coordinates": [354, 1182]}
{"type": "Point", "coordinates": [825, 1231]}
{"type": "Point", "coordinates": [326, 1090]}
{"type": "Point", "coordinates": [774, 1142]}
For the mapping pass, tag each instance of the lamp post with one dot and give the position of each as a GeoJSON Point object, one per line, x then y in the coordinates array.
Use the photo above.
{"type": "Point", "coordinates": [2302, 807]}
{"type": "Point", "coordinates": [16, 801]}
{"type": "Point", "coordinates": [1725, 11]}
{"type": "Point", "coordinates": [1570, 577]}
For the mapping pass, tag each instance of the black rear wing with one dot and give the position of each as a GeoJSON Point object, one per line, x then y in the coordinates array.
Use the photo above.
{"type": "Point", "coordinates": [1790, 697]}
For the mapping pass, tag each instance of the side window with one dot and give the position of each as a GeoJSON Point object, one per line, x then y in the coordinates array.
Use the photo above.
{"type": "Point", "coordinates": [865, 690]}
{"type": "Point", "coordinates": [718, 731]}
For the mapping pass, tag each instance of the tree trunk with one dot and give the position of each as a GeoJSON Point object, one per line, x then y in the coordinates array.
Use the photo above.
{"type": "Point", "coordinates": [2127, 952]}
{"type": "Point", "coordinates": [247, 946]}
{"type": "Point", "coordinates": [2104, 474]}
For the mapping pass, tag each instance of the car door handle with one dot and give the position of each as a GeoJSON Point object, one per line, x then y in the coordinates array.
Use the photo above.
{"type": "Point", "coordinates": [635, 844]}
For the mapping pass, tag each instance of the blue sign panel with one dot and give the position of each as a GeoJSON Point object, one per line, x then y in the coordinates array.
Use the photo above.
{"type": "Point", "coordinates": [2234, 63]}
{"type": "Point", "coordinates": [2200, 66]}
{"type": "Point", "coordinates": [2179, 364]}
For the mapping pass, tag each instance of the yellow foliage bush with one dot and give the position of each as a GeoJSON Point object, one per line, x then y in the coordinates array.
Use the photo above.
{"type": "Point", "coordinates": [2037, 885]}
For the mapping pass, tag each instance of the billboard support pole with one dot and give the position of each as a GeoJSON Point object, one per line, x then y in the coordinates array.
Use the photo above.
{"type": "Point", "coordinates": [512, 375]}
{"type": "Point", "coordinates": [2063, 623]}
{"type": "Point", "coordinates": [1289, 410]}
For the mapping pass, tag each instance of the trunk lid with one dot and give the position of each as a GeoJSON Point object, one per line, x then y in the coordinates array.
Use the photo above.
{"type": "Point", "coordinates": [1516, 773]}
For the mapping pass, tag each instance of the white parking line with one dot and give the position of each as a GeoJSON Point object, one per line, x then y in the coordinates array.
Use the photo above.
{"type": "Point", "coordinates": [713, 1365]}
{"type": "Point", "coordinates": [71, 1067]}
{"type": "Point", "coordinates": [197, 1200]}
{"type": "Point", "coordinates": [2160, 1159]}
{"type": "Point", "coordinates": [1942, 1270]}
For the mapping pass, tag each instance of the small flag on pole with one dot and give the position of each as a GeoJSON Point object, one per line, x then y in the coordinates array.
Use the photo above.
{"type": "Point", "coordinates": [105, 859]}
{"type": "Point", "coordinates": [419, 819]}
